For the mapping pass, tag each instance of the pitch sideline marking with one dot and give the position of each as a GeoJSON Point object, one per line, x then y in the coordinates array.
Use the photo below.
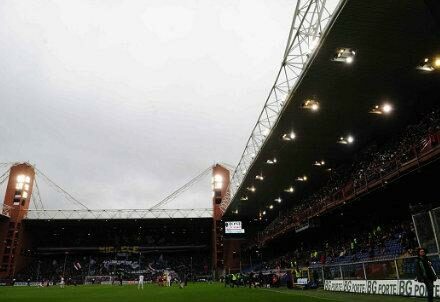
{"type": "Point", "coordinates": [293, 294]}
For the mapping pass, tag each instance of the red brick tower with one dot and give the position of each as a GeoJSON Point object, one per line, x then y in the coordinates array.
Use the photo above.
{"type": "Point", "coordinates": [17, 199]}
{"type": "Point", "coordinates": [220, 186]}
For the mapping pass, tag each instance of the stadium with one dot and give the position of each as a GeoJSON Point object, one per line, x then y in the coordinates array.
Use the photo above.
{"type": "Point", "coordinates": [333, 198]}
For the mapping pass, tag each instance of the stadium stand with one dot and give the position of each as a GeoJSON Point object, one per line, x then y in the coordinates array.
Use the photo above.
{"type": "Point", "coordinates": [124, 248]}
{"type": "Point", "coordinates": [375, 238]}
{"type": "Point", "coordinates": [372, 164]}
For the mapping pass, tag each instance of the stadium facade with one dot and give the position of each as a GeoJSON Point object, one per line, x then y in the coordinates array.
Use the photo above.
{"type": "Point", "coordinates": [32, 241]}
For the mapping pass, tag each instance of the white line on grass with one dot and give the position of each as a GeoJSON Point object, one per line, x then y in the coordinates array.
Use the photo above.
{"type": "Point", "coordinates": [295, 294]}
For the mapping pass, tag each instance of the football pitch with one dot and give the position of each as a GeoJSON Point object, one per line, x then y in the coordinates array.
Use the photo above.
{"type": "Point", "coordinates": [192, 293]}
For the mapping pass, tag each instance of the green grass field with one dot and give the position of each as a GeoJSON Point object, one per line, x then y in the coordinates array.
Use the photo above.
{"type": "Point", "coordinates": [192, 293]}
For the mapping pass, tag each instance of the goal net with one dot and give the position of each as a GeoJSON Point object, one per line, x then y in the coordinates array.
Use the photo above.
{"type": "Point", "coordinates": [98, 280]}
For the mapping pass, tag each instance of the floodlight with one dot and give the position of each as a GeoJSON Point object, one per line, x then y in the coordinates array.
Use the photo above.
{"type": "Point", "coordinates": [271, 161]}
{"type": "Point", "coordinates": [252, 189]}
{"type": "Point", "coordinates": [259, 177]}
{"type": "Point", "coordinates": [289, 189]}
{"type": "Point", "coordinates": [344, 55]}
{"type": "Point", "coordinates": [289, 136]}
{"type": "Point", "coordinates": [310, 104]}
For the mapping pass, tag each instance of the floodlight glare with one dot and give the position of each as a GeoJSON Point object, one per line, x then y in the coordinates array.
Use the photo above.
{"type": "Point", "coordinates": [319, 163]}
{"type": "Point", "coordinates": [289, 136]}
{"type": "Point", "coordinates": [302, 178]}
{"type": "Point", "coordinates": [383, 109]}
{"type": "Point", "coordinates": [259, 177]}
{"type": "Point", "coordinates": [252, 189]}
{"type": "Point", "coordinates": [271, 161]}
{"type": "Point", "coordinates": [278, 199]}
{"type": "Point", "coordinates": [289, 190]}
{"type": "Point", "coordinates": [346, 141]}
{"type": "Point", "coordinates": [310, 104]}
{"type": "Point", "coordinates": [217, 182]}
{"type": "Point", "coordinates": [344, 55]}
{"type": "Point", "coordinates": [387, 108]}
{"type": "Point", "coordinates": [430, 64]}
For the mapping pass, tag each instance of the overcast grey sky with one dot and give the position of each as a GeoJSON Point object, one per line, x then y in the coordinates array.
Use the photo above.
{"type": "Point", "coordinates": [121, 102]}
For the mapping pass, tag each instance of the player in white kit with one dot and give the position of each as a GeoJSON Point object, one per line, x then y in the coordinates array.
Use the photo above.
{"type": "Point", "coordinates": [62, 282]}
{"type": "Point", "coordinates": [168, 280]}
{"type": "Point", "coordinates": [141, 282]}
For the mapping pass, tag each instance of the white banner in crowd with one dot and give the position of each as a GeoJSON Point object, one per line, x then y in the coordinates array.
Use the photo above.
{"type": "Point", "coordinates": [302, 281]}
{"type": "Point", "coordinates": [381, 287]}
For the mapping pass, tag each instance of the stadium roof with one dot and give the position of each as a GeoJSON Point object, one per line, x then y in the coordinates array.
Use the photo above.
{"type": "Point", "coordinates": [390, 40]}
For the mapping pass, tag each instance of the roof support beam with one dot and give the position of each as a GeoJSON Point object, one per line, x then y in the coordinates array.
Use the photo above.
{"type": "Point", "coordinates": [107, 214]}
{"type": "Point", "coordinates": [311, 19]}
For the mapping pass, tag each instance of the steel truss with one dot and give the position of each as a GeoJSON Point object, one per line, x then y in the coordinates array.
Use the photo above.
{"type": "Point", "coordinates": [44, 214]}
{"type": "Point", "coordinates": [310, 24]}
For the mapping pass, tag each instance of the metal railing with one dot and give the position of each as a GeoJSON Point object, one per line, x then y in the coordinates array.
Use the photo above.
{"type": "Point", "coordinates": [379, 269]}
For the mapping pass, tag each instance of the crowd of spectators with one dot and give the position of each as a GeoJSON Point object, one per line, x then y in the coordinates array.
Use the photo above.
{"type": "Point", "coordinates": [76, 267]}
{"type": "Point", "coordinates": [374, 243]}
{"type": "Point", "coordinates": [371, 164]}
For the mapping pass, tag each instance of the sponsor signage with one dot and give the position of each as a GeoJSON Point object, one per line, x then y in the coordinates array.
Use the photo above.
{"type": "Point", "coordinates": [233, 227]}
{"type": "Point", "coordinates": [32, 284]}
{"type": "Point", "coordinates": [409, 288]}
{"type": "Point", "coordinates": [302, 281]}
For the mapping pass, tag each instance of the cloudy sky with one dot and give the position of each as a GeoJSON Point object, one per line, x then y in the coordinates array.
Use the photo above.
{"type": "Point", "coordinates": [121, 102]}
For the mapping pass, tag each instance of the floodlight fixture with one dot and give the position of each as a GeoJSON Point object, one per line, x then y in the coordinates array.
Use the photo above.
{"type": "Point", "coordinates": [344, 55]}
{"type": "Point", "coordinates": [289, 136]}
{"type": "Point", "coordinates": [310, 104]}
